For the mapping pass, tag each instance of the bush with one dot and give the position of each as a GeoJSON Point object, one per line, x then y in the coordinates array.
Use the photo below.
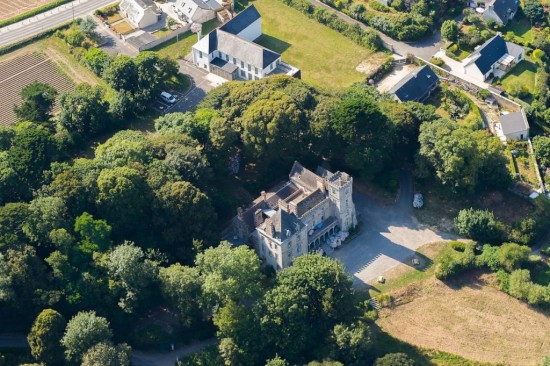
{"type": "Point", "coordinates": [512, 256]}
{"type": "Point", "coordinates": [480, 225]}
{"type": "Point", "coordinates": [459, 246]}
{"type": "Point", "coordinates": [384, 300]}
{"type": "Point", "coordinates": [437, 61]}
{"type": "Point", "coordinates": [394, 359]}
{"type": "Point", "coordinates": [455, 262]}
{"type": "Point", "coordinates": [375, 5]}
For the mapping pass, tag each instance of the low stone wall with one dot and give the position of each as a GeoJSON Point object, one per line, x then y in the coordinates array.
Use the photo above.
{"type": "Point", "coordinates": [166, 38]}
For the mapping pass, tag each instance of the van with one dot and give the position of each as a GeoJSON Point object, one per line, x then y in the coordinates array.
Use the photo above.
{"type": "Point", "coordinates": [167, 97]}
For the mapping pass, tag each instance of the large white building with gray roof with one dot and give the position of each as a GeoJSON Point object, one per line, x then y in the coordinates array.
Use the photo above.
{"type": "Point", "coordinates": [230, 51]}
{"type": "Point", "coordinates": [297, 216]}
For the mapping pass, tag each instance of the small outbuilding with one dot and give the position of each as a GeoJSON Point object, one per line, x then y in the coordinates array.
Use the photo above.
{"type": "Point", "coordinates": [515, 126]}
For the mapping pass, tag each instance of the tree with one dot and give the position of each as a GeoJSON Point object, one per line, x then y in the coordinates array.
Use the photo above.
{"type": "Point", "coordinates": [534, 11]}
{"type": "Point", "coordinates": [96, 60]}
{"type": "Point", "coordinates": [88, 26]}
{"type": "Point", "coordinates": [277, 361]}
{"type": "Point", "coordinates": [44, 337]}
{"type": "Point", "coordinates": [125, 148]}
{"type": "Point", "coordinates": [541, 144]}
{"type": "Point", "coordinates": [351, 343]}
{"type": "Point", "coordinates": [122, 74]}
{"type": "Point", "coordinates": [94, 234]}
{"type": "Point", "coordinates": [84, 331]}
{"type": "Point", "coordinates": [479, 225]}
{"type": "Point", "coordinates": [12, 217]}
{"type": "Point", "coordinates": [365, 131]}
{"type": "Point", "coordinates": [84, 111]}
{"type": "Point", "coordinates": [129, 269]}
{"type": "Point", "coordinates": [394, 359]}
{"type": "Point", "coordinates": [519, 284]}
{"type": "Point", "coordinates": [103, 354]}
{"type": "Point", "coordinates": [512, 256]}
{"type": "Point", "coordinates": [181, 287]}
{"type": "Point", "coordinates": [229, 274]}
{"type": "Point", "coordinates": [45, 215]}
{"type": "Point", "coordinates": [175, 207]}
{"type": "Point", "coordinates": [37, 102]}
{"type": "Point", "coordinates": [450, 30]}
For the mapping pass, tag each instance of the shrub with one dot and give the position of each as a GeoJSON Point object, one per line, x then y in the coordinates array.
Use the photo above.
{"type": "Point", "coordinates": [453, 263]}
{"type": "Point", "coordinates": [512, 256]}
{"type": "Point", "coordinates": [384, 300]}
{"type": "Point", "coordinates": [489, 258]}
{"type": "Point", "coordinates": [437, 61]}
{"type": "Point", "coordinates": [480, 225]}
{"type": "Point", "coordinates": [394, 359]}
{"type": "Point", "coordinates": [375, 5]}
{"type": "Point", "coordinates": [459, 246]}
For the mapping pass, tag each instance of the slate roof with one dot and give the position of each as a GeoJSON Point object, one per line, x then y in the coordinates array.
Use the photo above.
{"type": "Point", "coordinates": [415, 85]}
{"type": "Point", "coordinates": [241, 20]}
{"type": "Point", "coordinates": [224, 65]}
{"type": "Point", "coordinates": [243, 49]}
{"type": "Point", "coordinates": [282, 225]}
{"type": "Point", "coordinates": [489, 53]}
{"type": "Point", "coordinates": [514, 122]}
{"type": "Point", "coordinates": [208, 4]}
{"type": "Point", "coordinates": [501, 8]}
{"type": "Point", "coordinates": [304, 177]}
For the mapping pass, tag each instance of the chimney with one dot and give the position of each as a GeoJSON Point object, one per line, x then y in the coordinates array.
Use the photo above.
{"type": "Point", "coordinates": [258, 217]}
{"type": "Point", "coordinates": [264, 196]}
{"type": "Point", "coordinates": [240, 213]}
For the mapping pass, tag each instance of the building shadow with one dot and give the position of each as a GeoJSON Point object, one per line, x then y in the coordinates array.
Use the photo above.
{"type": "Point", "coordinates": [272, 43]}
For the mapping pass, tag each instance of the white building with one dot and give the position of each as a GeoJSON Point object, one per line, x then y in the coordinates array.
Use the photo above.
{"type": "Point", "coordinates": [197, 11]}
{"type": "Point", "coordinates": [500, 11]}
{"type": "Point", "coordinates": [513, 126]}
{"type": "Point", "coordinates": [140, 13]}
{"type": "Point", "coordinates": [231, 53]}
{"type": "Point", "coordinates": [493, 58]}
{"type": "Point", "coordinates": [297, 216]}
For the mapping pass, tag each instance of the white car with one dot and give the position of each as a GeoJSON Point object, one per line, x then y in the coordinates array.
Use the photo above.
{"type": "Point", "coordinates": [167, 97]}
{"type": "Point", "coordinates": [418, 200]}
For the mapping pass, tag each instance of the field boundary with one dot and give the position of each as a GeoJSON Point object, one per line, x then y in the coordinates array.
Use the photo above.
{"type": "Point", "coordinates": [27, 41]}
{"type": "Point", "coordinates": [33, 12]}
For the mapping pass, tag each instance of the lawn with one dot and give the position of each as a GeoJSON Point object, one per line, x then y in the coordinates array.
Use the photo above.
{"type": "Point", "coordinates": [467, 317]}
{"type": "Point", "coordinates": [113, 18]}
{"type": "Point", "coordinates": [123, 27]}
{"type": "Point", "coordinates": [326, 58]}
{"type": "Point", "coordinates": [521, 78]}
{"type": "Point", "coordinates": [179, 47]}
{"type": "Point", "coordinates": [521, 27]}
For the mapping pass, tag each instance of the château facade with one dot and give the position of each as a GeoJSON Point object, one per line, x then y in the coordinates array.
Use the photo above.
{"type": "Point", "coordinates": [295, 217]}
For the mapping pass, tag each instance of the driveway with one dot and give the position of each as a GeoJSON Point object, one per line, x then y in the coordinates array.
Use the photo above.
{"type": "Point", "coordinates": [389, 235]}
{"type": "Point", "coordinates": [140, 358]}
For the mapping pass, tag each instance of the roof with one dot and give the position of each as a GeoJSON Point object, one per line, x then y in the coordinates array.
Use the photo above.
{"type": "Point", "coordinates": [514, 122]}
{"type": "Point", "coordinates": [415, 85]}
{"type": "Point", "coordinates": [144, 4]}
{"type": "Point", "coordinates": [489, 53]}
{"type": "Point", "coordinates": [282, 225]}
{"type": "Point", "coordinates": [203, 4]}
{"type": "Point", "coordinates": [501, 8]}
{"type": "Point", "coordinates": [243, 49]}
{"type": "Point", "coordinates": [242, 20]}
{"type": "Point", "coordinates": [224, 65]}
{"type": "Point", "coordinates": [304, 177]}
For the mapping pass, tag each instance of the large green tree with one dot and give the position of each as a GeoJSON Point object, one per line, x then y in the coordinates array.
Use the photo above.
{"type": "Point", "coordinates": [37, 102]}
{"type": "Point", "coordinates": [541, 144]}
{"type": "Point", "coordinates": [84, 331]}
{"type": "Point", "coordinates": [122, 74]}
{"type": "Point", "coordinates": [480, 225]}
{"type": "Point", "coordinates": [181, 286]}
{"type": "Point", "coordinates": [103, 354]}
{"type": "Point", "coordinates": [45, 335]}
{"type": "Point", "coordinates": [450, 30]}
{"type": "Point", "coordinates": [534, 11]}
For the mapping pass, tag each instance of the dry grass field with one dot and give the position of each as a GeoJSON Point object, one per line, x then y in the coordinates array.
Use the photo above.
{"type": "Point", "coordinates": [470, 318]}
{"type": "Point", "coordinates": [11, 8]}
{"type": "Point", "coordinates": [46, 61]}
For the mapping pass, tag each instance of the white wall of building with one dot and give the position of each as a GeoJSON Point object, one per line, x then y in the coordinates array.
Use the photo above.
{"type": "Point", "coordinates": [253, 31]}
{"type": "Point", "coordinates": [519, 136]}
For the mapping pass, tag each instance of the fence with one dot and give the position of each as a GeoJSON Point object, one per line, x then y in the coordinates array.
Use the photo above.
{"type": "Point", "coordinates": [146, 41]}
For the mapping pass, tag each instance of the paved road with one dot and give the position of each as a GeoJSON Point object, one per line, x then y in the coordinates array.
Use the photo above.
{"type": "Point", "coordinates": [49, 19]}
{"type": "Point", "coordinates": [169, 359]}
{"type": "Point", "coordinates": [390, 235]}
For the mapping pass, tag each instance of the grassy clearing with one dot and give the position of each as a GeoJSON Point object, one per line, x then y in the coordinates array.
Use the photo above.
{"type": "Point", "coordinates": [468, 317]}
{"type": "Point", "coordinates": [521, 27]}
{"type": "Point", "coordinates": [180, 47]}
{"type": "Point", "coordinates": [326, 58]}
{"type": "Point", "coordinates": [123, 27]}
{"type": "Point", "coordinates": [523, 164]}
{"type": "Point", "coordinates": [521, 78]}
{"type": "Point", "coordinates": [114, 18]}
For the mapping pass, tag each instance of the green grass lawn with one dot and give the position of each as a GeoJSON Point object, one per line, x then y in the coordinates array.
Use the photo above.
{"type": "Point", "coordinates": [521, 27]}
{"type": "Point", "coordinates": [180, 47]}
{"type": "Point", "coordinates": [326, 58]}
{"type": "Point", "coordinates": [522, 76]}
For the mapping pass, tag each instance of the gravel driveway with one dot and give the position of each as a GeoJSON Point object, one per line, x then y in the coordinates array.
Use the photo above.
{"type": "Point", "coordinates": [389, 235]}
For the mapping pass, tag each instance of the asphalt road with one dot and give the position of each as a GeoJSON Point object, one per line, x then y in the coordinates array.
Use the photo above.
{"type": "Point", "coordinates": [389, 235]}
{"type": "Point", "coordinates": [49, 19]}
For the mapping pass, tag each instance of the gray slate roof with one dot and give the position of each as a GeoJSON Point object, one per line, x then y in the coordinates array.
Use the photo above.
{"type": "Point", "coordinates": [514, 122]}
{"type": "Point", "coordinates": [501, 8]}
{"type": "Point", "coordinates": [415, 85]}
{"type": "Point", "coordinates": [282, 225]}
{"type": "Point", "coordinates": [242, 20]}
{"type": "Point", "coordinates": [241, 48]}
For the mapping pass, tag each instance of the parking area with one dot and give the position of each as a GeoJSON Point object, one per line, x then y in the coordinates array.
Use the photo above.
{"type": "Point", "coordinates": [162, 106]}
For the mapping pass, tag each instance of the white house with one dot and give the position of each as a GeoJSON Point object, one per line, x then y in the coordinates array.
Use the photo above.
{"type": "Point", "coordinates": [514, 126]}
{"type": "Point", "coordinates": [493, 58]}
{"type": "Point", "coordinates": [501, 10]}
{"type": "Point", "coordinates": [231, 53]}
{"type": "Point", "coordinates": [197, 11]}
{"type": "Point", "coordinates": [140, 13]}
{"type": "Point", "coordinates": [297, 216]}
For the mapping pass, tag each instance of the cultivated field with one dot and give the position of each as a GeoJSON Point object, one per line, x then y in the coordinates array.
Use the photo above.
{"type": "Point", "coordinates": [470, 318]}
{"type": "Point", "coordinates": [11, 8]}
{"type": "Point", "coordinates": [18, 72]}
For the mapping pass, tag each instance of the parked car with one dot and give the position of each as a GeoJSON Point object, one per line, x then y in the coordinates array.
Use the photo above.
{"type": "Point", "coordinates": [167, 97]}
{"type": "Point", "coordinates": [418, 200]}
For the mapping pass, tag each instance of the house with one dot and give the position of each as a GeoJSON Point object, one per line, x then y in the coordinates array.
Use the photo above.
{"type": "Point", "coordinates": [501, 10]}
{"type": "Point", "coordinates": [297, 216]}
{"type": "Point", "coordinates": [514, 126]}
{"type": "Point", "coordinates": [197, 11]}
{"type": "Point", "coordinates": [140, 13]}
{"type": "Point", "coordinates": [230, 51]}
{"type": "Point", "coordinates": [493, 58]}
{"type": "Point", "coordinates": [417, 86]}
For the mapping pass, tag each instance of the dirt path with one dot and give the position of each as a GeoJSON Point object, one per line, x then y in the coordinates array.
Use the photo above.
{"type": "Point", "coordinates": [473, 320]}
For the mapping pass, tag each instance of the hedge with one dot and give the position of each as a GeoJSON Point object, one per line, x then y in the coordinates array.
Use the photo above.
{"type": "Point", "coordinates": [14, 46]}
{"type": "Point", "coordinates": [32, 12]}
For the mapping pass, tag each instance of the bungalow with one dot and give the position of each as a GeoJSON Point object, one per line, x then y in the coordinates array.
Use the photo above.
{"type": "Point", "coordinates": [230, 52]}
{"type": "Point", "coordinates": [501, 10]}
{"type": "Point", "coordinates": [140, 13]}
{"type": "Point", "coordinates": [514, 126]}
{"type": "Point", "coordinates": [416, 86]}
{"type": "Point", "coordinates": [493, 58]}
{"type": "Point", "coordinates": [197, 11]}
